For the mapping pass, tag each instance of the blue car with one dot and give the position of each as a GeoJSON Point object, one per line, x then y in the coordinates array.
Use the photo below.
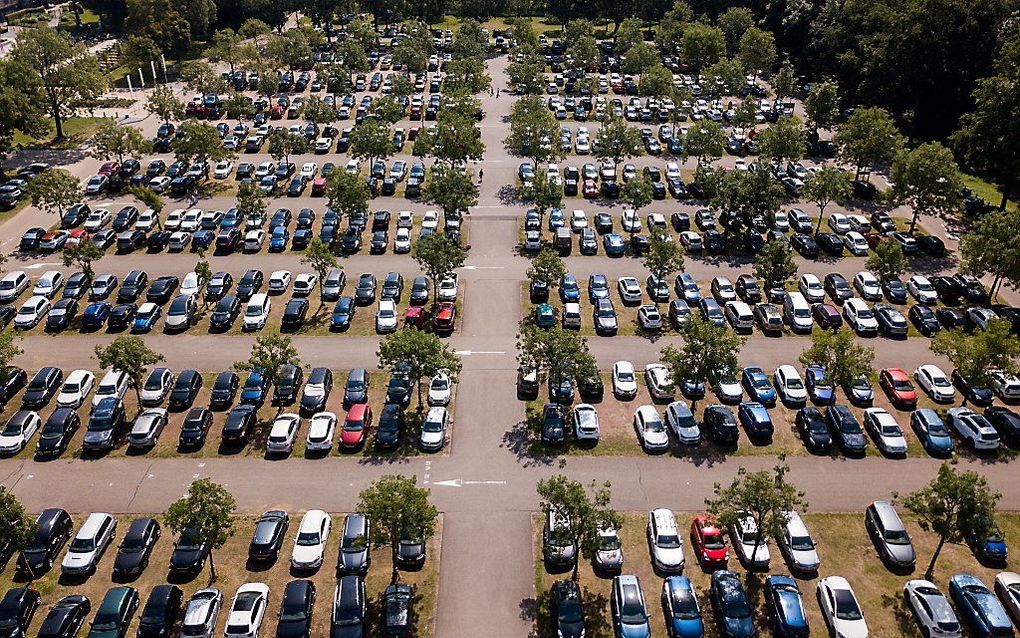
{"type": "Point", "coordinates": [556, 219]}
{"type": "Point", "coordinates": [758, 386]}
{"type": "Point", "coordinates": [256, 386]}
{"type": "Point", "coordinates": [147, 317]}
{"type": "Point", "coordinates": [819, 386]}
{"type": "Point", "coordinates": [614, 245]}
{"type": "Point", "coordinates": [233, 218]}
{"type": "Point", "coordinates": [569, 290]}
{"type": "Point", "coordinates": [343, 312]}
{"type": "Point", "coordinates": [785, 607]}
{"type": "Point", "coordinates": [202, 240]}
{"type": "Point", "coordinates": [755, 420]}
{"type": "Point", "coordinates": [681, 610]}
{"type": "Point", "coordinates": [278, 241]}
{"type": "Point", "coordinates": [95, 315]}
{"type": "Point", "coordinates": [932, 432]}
{"type": "Point", "coordinates": [978, 607]}
{"type": "Point", "coordinates": [732, 608]}
{"type": "Point", "coordinates": [989, 547]}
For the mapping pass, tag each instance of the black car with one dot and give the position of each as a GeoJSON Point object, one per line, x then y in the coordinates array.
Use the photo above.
{"type": "Point", "coordinates": [158, 240]}
{"type": "Point", "coordinates": [390, 428]}
{"type": "Point", "coordinates": [295, 619]}
{"type": "Point", "coordinates": [161, 289]}
{"type": "Point", "coordinates": [228, 240]}
{"type": "Point", "coordinates": [829, 243]}
{"type": "Point", "coordinates": [219, 285]}
{"type": "Point", "coordinates": [65, 618]}
{"type": "Point", "coordinates": [355, 539]}
{"type": "Point", "coordinates": [195, 428]}
{"type": "Point", "coordinates": [398, 390]}
{"type": "Point", "coordinates": [224, 389]}
{"type": "Point", "coordinates": [161, 612]}
{"type": "Point", "coordinates": [186, 388]}
{"type": "Point", "coordinates": [225, 313]}
{"type": "Point", "coordinates": [317, 390]}
{"type": "Point", "coordinates": [61, 315]}
{"type": "Point", "coordinates": [239, 424]}
{"type": "Point", "coordinates": [393, 287]}
{"type": "Point", "coordinates": [924, 319]}
{"type": "Point", "coordinates": [554, 420]}
{"type": "Point", "coordinates": [17, 608]}
{"type": "Point", "coordinates": [77, 285]}
{"type": "Point", "coordinates": [57, 432]}
{"type": "Point", "coordinates": [1006, 422]}
{"type": "Point", "coordinates": [295, 312]}
{"type": "Point", "coordinates": [951, 318]}
{"type": "Point", "coordinates": [12, 380]}
{"type": "Point", "coordinates": [189, 554]}
{"type": "Point", "coordinates": [42, 387]}
{"type": "Point", "coordinates": [410, 551]}
{"type": "Point", "coordinates": [591, 388]}
{"type": "Point", "coordinates": [136, 547]}
{"type": "Point", "coordinates": [134, 283]}
{"type": "Point", "coordinates": [343, 312]}
{"type": "Point", "coordinates": [973, 290]}
{"type": "Point", "coordinates": [365, 292]}
{"type": "Point", "coordinates": [251, 283]}
{"type": "Point", "coordinates": [721, 425]}
{"type": "Point", "coordinates": [30, 240]}
{"type": "Point", "coordinates": [731, 605]}
{"type": "Point", "coordinates": [131, 240]}
{"type": "Point", "coordinates": [53, 529]}
{"type": "Point", "coordinates": [267, 539]}
{"type": "Point", "coordinates": [115, 613]}
{"type": "Point", "coordinates": [567, 609]}
{"type": "Point", "coordinates": [348, 620]}
{"type": "Point", "coordinates": [948, 289]}
{"type": "Point", "coordinates": [894, 290]}
{"type": "Point", "coordinates": [813, 430]}
{"type": "Point", "coordinates": [845, 430]}
{"type": "Point", "coordinates": [931, 244]}
{"type": "Point", "coordinates": [287, 384]}
{"type": "Point", "coordinates": [804, 245]}
{"type": "Point", "coordinates": [122, 316]}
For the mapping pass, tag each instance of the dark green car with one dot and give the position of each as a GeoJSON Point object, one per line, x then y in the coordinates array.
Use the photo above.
{"type": "Point", "coordinates": [545, 316]}
{"type": "Point", "coordinates": [115, 613]}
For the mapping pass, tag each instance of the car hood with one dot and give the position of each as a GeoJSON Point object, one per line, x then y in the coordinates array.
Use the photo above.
{"type": "Point", "coordinates": [739, 627]}
{"type": "Point", "coordinates": [128, 562]}
{"type": "Point", "coordinates": [348, 437]}
{"type": "Point", "coordinates": [307, 553]}
{"type": "Point", "coordinates": [352, 561]}
{"type": "Point", "coordinates": [77, 559]}
{"type": "Point", "coordinates": [431, 438]}
{"type": "Point", "coordinates": [185, 557]}
{"type": "Point", "coordinates": [347, 631]}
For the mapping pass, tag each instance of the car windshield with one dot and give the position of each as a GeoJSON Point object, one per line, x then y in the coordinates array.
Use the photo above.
{"type": "Point", "coordinates": [83, 545]}
{"type": "Point", "coordinates": [865, 313]}
{"type": "Point", "coordinates": [13, 428]}
{"type": "Point", "coordinates": [802, 543]}
{"type": "Point", "coordinates": [308, 538]}
{"type": "Point", "coordinates": [897, 537]}
{"type": "Point", "coordinates": [667, 541]}
{"type": "Point", "coordinates": [253, 310]}
{"type": "Point", "coordinates": [107, 620]}
{"type": "Point", "coordinates": [846, 606]}
{"type": "Point", "coordinates": [432, 426]}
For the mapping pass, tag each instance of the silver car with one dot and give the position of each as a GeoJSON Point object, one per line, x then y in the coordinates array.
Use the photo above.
{"type": "Point", "coordinates": [201, 612]}
{"type": "Point", "coordinates": [608, 557]}
{"type": "Point", "coordinates": [931, 609]}
{"type": "Point", "coordinates": [586, 423]}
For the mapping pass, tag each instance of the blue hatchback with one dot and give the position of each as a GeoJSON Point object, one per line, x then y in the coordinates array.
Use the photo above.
{"type": "Point", "coordinates": [680, 607]}
{"type": "Point", "coordinates": [613, 245]}
{"type": "Point", "coordinates": [819, 386]}
{"type": "Point", "coordinates": [278, 241]}
{"type": "Point", "coordinates": [95, 315]}
{"type": "Point", "coordinates": [932, 432]}
{"type": "Point", "coordinates": [256, 386]}
{"type": "Point", "coordinates": [786, 607]}
{"type": "Point", "coordinates": [343, 312]}
{"type": "Point", "coordinates": [569, 290]}
{"type": "Point", "coordinates": [979, 609]}
{"type": "Point", "coordinates": [755, 420]}
{"type": "Point", "coordinates": [758, 386]}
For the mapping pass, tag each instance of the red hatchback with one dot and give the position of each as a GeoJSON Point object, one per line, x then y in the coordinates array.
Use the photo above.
{"type": "Point", "coordinates": [417, 317]}
{"type": "Point", "coordinates": [898, 387]}
{"type": "Point", "coordinates": [109, 169]}
{"type": "Point", "coordinates": [356, 425]}
{"type": "Point", "coordinates": [318, 186]}
{"type": "Point", "coordinates": [446, 317]}
{"type": "Point", "coordinates": [708, 542]}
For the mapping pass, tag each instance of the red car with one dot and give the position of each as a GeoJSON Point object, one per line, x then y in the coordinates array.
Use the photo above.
{"type": "Point", "coordinates": [898, 387]}
{"type": "Point", "coordinates": [416, 317]}
{"type": "Point", "coordinates": [77, 237]}
{"type": "Point", "coordinates": [276, 112]}
{"type": "Point", "coordinates": [356, 425]}
{"type": "Point", "coordinates": [109, 169]}
{"type": "Point", "coordinates": [446, 317]}
{"type": "Point", "coordinates": [708, 542]}
{"type": "Point", "coordinates": [413, 132]}
{"type": "Point", "coordinates": [318, 186]}
{"type": "Point", "coordinates": [591, 190]}
{"type": "Point", "coordinates": [874, 239]}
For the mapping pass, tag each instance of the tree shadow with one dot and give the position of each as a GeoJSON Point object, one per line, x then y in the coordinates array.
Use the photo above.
{"type": "Point", "coordinates": [522, 441]}
{"type": "Point", "coordinates": [705, 454]}
{"type": "Point", "coordinates": [900, 612]}
{"type": "Point", "coordinates": [509, 196]}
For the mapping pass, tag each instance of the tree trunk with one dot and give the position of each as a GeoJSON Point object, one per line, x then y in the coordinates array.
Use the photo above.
{"type": "Point", "coordinates": [58, 121]}
{"type": "Point", "coordinates": [212, 567]}
{"type": "Point", "coordinates": [821, 215]}
{"type": "Point", "coordinates": [395, 576]}
{"type": "Point", "coordinates": [913, 222]}
{"type": "Point", "coordinates": [1006, 189]}
{"type": "Point", "coordinates": [930, 572]}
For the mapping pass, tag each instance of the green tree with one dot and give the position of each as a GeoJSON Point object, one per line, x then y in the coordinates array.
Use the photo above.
{"type": "Point", "coordinates": [826, 185]}
{"type": "Point", "coordinates": [530, 124]}
{"type": "Point", "coordinates": [164, 105]}
{"type": "Point", "coordinates": [954, 503]}
{"type": "Point", "coordinates": [702, 45]}
{"type": "Point", "coordinates": [783, 141]}
{"type": "Point", "coordinates": [734, 23]}
{"type": "Point", "coordinates": [201, 77]}
{"type": "Point", "coordinates": [22, 107]}
{"type": "Point", "coordinates": [54, 190]}
{"type": "Point", "coordinates": [617, 140]}
{"type": "Point", "coordinates": [585, 512]}
{"type": "Point", "coordinates": [750, 194]}
{"type": "Point", "coordinates": [706, 141]}
{"type": "Point", "coordinates": [269, 354]}
{"type": "Point", "coordinates": [543, 193]}
{"type": "Point", "coordinates": [656, 80]}
{"type": "Point", "coordinates": [976, 354]}
{"type": "Point", "coordinates": [640, 56]}
{"type": "Point", "coordinates": [723, 77]}
{"type": "Point", "coordinates": [746, 114]}
{"type": "Point", "coordinates": [452, 189]}
{"type": "Point", "coordinates": [438, 256]}
{"type": "Point", "coordinates": [990, 248]}
{"type": "Point", "coordinates": [347, 193]}
{"type": "Point", "coordinates": [206, 512]}
{"type": "Point", "coordinates": [17, 528]}
{"type": "Point", "coordinates": [785, 81]}
{"type": "Point", "coordinates": [455, 139]}
{"type": "Point", "coordinates": [237, 106]}
{"type": "Point", "coordinates": [412, 54]}
{"type": "Point", "coordinates": [129, 355]}
{"type": "Point", "coordinates": [200, 143]}
{"type": "Point", "coordinates": [556, 351]}
{"type": "Point", "coordinates": [230, 47]}
{"type": "Point", "coordinates": [161, 22]}
{"type": "Point", "coordinates": [766, 497]}
{"type": "Point", "coordinates": [547, 267]}
{"type": "Point", "coordinates": [251, 202]}
{"type": "Point", "coordinates": [637, 193]}
{"type": "Point", "coordinates": [527, 75]}
{"type": "Point", "coordinates": [671, 27]}
{"type": "Point", "coordinates": [321, 259]}
{"type": "Point", "coordinates": [316, 110]}
{"type": "Point", "coordinates": [822, 104]}
{"type": "Point", "coordinates": [757, 51]}
{"type": "Point", "coordinates": [83, 255]}
{"type": "Point", "coordinates": [370, 140]}
{"type": "Point", "coordinates": [584, 52]}
{"type": "Point", "coordinates": [283, 143]}
{"type": "Point", "coordinates": [775, 265]}
{"type": "Point", "coordinates": [398, 509]}
{"type": "Point", "coordinates": [424, 354]}
{"type": "Point", "coordinates": [928, 180]}
{"type": "Point", "coordinates": [887, 260]}
{"type": "Point", "coordinates": [204, 273]}
{"type": "Point", "coordinates": [470, 40]}
{"type": "Point", "coordinates": [466, 76]}
{"type": "Point", "coordinates": [9, 349]}
{"type": "Point", "coordinates": [840, 355]}
{"type": "Point", "coordinates": [137, 51]}
{"type": "Point", "coordinates": [707, 353]}
{"type": "Point", "coordinates": [115, 141]}
{"type": "Point", "coordinates": [68, 75]}
{"type": "Point", "coordinates": [664, 257]}
{"type": "Point", "coordinates": [868, 137]}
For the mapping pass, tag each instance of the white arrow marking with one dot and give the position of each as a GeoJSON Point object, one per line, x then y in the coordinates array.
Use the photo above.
{"type": "Point", "coordinates": [484, 482]}
{"type": "Point", "coordinates": [482, 267]}
{"type": "Point", "coordinates": [471, 352]}
{"type": "Point", "coordinates": [450, 483]}
{"type": "Point", "coordinates": [42, 265]}
{"type": "Point", "coordinates": [461, 483]}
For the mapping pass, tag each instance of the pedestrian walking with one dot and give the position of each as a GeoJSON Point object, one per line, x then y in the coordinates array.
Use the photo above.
{"type": "Point", "coordinates": [497, 92]}
{"type": "Point", "coordinates": [481, 175]}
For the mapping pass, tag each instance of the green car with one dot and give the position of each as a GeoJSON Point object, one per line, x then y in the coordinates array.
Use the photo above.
{"type": "Point", "coordinates": [545, 316]}
{"type": "Point", "coordinates": [115, 613]}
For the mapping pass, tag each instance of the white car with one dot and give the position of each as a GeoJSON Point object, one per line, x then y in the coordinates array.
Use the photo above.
{"type": "Point", "coordinates": [223, 169]}
{"type": "Point", "coordinates": [113, 384]}
{"type": "Point", "coordinates": [650, 430]}
{"type": "Point", "coordinates": [860, 316]}
{"type": "Point", "coordinates": [624, 380]}
{"type": "Point", "coordinates": [751, 546]}
{"type": "Point", "coordinates": [179, 240]}
{"type": "Point", "coordinates": [192, 220]}
{"type": "Point", "coordinates": [855, 243]}
{"type": "Point", "coordinates": [32, 312]}
{"type": "Point", "coordinates": [630, 220]}
{"type": "Point", "coordinates": [256, 312]}
{"type": "Point", "coordinates": [660, 385]}
{"type": "Point", "coordinates": [811, 288]}
{"type": "Point", "coordinates": [649, 317]}
{"type": "Point", "coordinates": [160, 183]}
{"type": "Point", "coordinates": [49, 284]}
{"type": "Point", "coordinates": [586, 422]}
{"type": "Point", "coordinates": [189, 285]}
{"type": "Point", "coordinates": [89, 544]}
{"type": "Point", "coordinates": [680, 420]}
{"type": "Point", "coordinates": [665, 541]}
{"type": "Point", "coordinates": [886, 431]}
{"type": "Point", "coordinates": [12, 285]}
{"type": "Point", "coordinates": [97, 219]}
{"type": "Point", "coordinates": [840, 610]}
{"type": "Point", "coordinates": [264, 169]}
{"type": "Point", "coordinates": [839, 223]}
{"type": "Point", "coordinates": [974, 428]}
{"type": "Point", "coordinates": [931, 609]}
{"type": "Point", "coordinates": [935, 382]}
{"type": "Point", "coordinates": [440, 388]}
{"type": "Point", "coordinates": [430, 220]}
{"type": "Point", "coordinates": [308, 171]}
{"type": "Point", "coordinates": [173, 220]}
{"type": "Point", "coordinates": [279, 282]}
{"type": "Point", "coordinates": [247, 611]}
{"type": "Point", "coordinates": [19, 429]}
{"type": "Point", "coordinates": [630, 289]}
{"type": "Point", "coordinates": [320, 432]}
{"type": "Point", "coordinates": [433, 429]}
{"type": "Point", "coordinates": [283, 433]}
{"type": "Point", "coordinates": [578, 221]}
{"type": "Point", "coordinates": [868, 286]}
{"type": "Point", "coordinates": [402, 241]}
{"type": "Point", "coordinates": [76, 389]}
{"type": "Point", "coordinates": [253, 240]}
{"type": "Point", "coordinates": [157, 386]}
{"type": "Point", "coordinates": [304, 284]}
{"type": "Point", "coordinates": [692, 241]}
{"type": "Point", "coordinates": [323, 144]}
{"type": "Point", "coordinates": [922, 290]}
{"type": "Point", "coordinates": [310, 542]}
{"type": "Point", "coordinates": [386, 316]}
{"type": "Point", "coordinates": [797, 546]}
{"type": "Point", "coordinates": [1007, 386]}
{"type": "Point", "coordinates": [723, 290]}
{"type": "Point", "coordinates": [148, 220]}
{"type": "Point", "coordinates": [673, 170]}
{"type": "Point", "coordinates": [1007, 586]}
{"type": "Point", "coordinates": [448, 288]}
{"type": "Point", "coordinates": [790, 386]}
